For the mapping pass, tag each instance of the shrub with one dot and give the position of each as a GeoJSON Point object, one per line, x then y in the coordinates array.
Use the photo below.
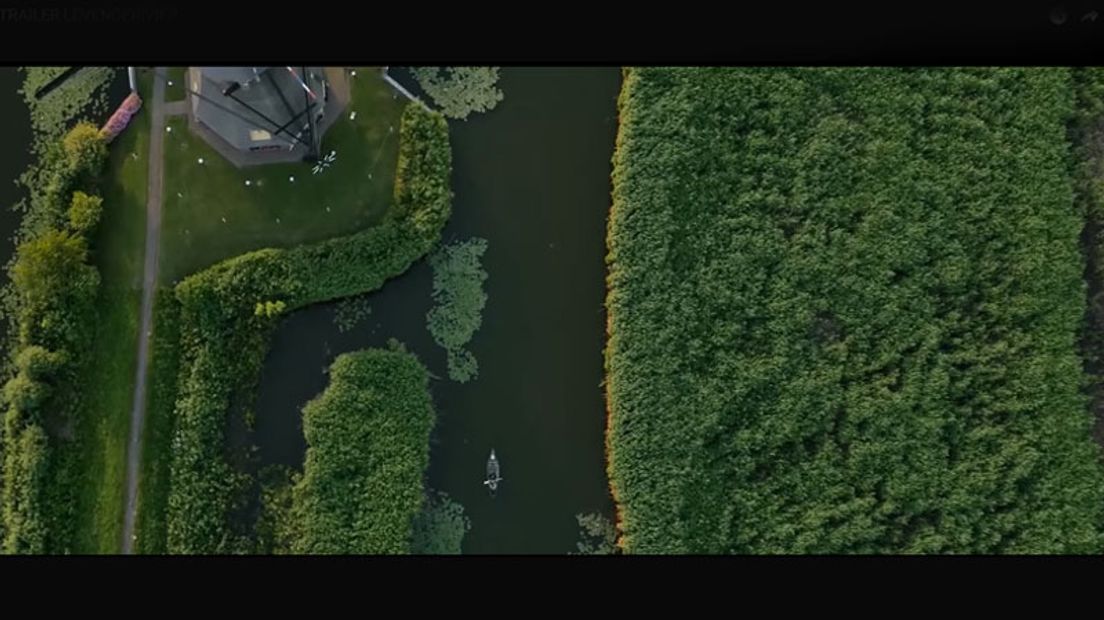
{"type": "Point", "coordinates": [24, 393]}
{"type": "Point", "coordinates": [37, 362]}
{"type": "Point", "coordinates": [85, 148]}
{"type": "Point", "coordinates": [26, 464]}
{"type": "Point", "coordinates": [84, 213]}
{"type": "Point", "coordinates": [55, 287]}
{"type": "Point", "coordinates": [269, 309]}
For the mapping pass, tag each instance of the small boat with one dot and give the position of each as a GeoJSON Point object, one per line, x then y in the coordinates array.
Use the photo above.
{"type": "Point", "coordinates": [493, 471]}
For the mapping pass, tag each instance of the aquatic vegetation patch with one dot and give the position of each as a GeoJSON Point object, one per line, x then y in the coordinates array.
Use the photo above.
{"type": "Point", "coordinates": [597, 535]}
{"type": "Point", "coordinates": [82, 94]}
{"type": "Point", "coordinates": [459, 91]}
{"type": "Point", "coordinates": [440, 528]}
{"type": "Point", "coordinates": [459, 298]}
{"type": "Point", "coordinates": [349, 312]}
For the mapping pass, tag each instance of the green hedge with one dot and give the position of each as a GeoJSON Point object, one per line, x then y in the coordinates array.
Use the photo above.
{"type": "Point", "coordinates": [223, 341]}
{"type": "Point", "coordinates": [164, 377]}
{"type": "Point", "coordinates": [53, 287]}
{"type": "Point", "coordinates": [843, 309]}
{"type": "Point", "coordinates": [367, 451]}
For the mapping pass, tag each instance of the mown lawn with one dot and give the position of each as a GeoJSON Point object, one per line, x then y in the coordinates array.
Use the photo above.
{"type": "Point", "coordinates": [210, 214]}
{"type": "Point", "coordinates": [108, 380]}
{"type": "Point", "coordinates": [153, 483]}
{"type": "Point", "coordinates": [175, 91]}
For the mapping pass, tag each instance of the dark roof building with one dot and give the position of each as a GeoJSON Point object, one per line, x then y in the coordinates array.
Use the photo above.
{"type": "Point", "coordinates": [254, 115]}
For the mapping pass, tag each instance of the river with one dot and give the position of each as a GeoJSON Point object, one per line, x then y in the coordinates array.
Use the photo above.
{"type": "Point", "coordinates": [533, 178]}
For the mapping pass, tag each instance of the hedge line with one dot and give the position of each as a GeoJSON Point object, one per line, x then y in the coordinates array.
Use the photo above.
{"type": "Point", "coordinates": [843, 310]}
{"type": "Point", "coordinates": [223, 339]}
{"type": "Point", "coordinates": [51, 310]}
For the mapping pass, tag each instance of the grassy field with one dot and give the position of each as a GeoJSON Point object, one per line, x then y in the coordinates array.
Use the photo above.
{"type": "Point", "coordinates": [211, 214]}
{"type": "Point", "coordinates": [109, 378]}
{"type": "Point", "coordinates": [176, 90]}
{"type": "Point", "coordinates": [153, 484]}
{"type": "Point", "coordinates": [843, 314]}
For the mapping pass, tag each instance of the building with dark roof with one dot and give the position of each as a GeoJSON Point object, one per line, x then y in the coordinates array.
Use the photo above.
{"type": "Point", "coordinates": [256, 115]}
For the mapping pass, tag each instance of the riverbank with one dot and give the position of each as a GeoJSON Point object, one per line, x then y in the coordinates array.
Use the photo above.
{"type": "Point", "coordinates": [532, 178]}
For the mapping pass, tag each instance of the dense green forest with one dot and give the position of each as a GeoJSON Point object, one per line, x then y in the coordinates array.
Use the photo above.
{"type": "Point", "coordinates": [844, 309]}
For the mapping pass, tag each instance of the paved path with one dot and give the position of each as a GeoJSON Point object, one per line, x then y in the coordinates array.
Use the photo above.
{"type": "Point", "coordinates": [176, 108]}
{"type": "Point", "coordinates": [149, 287]}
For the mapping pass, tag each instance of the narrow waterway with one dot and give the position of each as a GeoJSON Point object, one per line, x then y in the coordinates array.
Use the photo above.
{"type": "Point", "coordinates": [14, 159]}
{"type": "Point", "coordinates": [533, 178]}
